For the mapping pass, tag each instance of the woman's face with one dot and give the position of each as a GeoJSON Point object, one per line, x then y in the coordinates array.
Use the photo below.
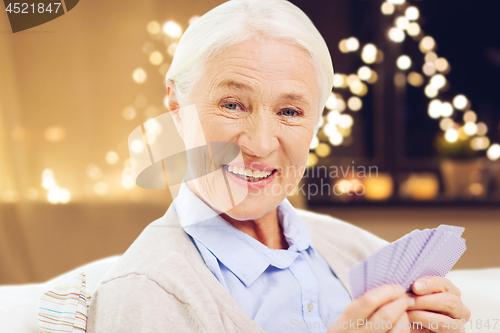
{"type": "Point", "coordinates": [264, 97]}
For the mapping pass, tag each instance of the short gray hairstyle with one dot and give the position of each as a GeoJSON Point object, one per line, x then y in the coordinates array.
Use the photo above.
{"type": "Point", "coordinates": [238, 20]}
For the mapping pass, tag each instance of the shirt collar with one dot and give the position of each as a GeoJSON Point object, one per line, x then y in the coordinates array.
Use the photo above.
{"type": "Point", "coordinates": [243, 255]}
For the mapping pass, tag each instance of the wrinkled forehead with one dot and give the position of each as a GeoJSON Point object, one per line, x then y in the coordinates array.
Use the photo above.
{"type": "Point", "coordinates": [273, 66]}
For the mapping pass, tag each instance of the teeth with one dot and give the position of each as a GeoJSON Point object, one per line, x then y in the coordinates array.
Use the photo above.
{"type": "Point", "coordinates": [248, 172]}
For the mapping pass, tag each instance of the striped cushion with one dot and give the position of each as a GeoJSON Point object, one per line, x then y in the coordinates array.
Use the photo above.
{"type": "Point", "coordinates": [63, 308]}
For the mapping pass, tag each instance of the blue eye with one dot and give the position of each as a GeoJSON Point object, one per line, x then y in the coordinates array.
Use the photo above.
{"type": "Point", "coordinates": [231, 106]}
{"type": "Point", "coordinates": [289, 112]}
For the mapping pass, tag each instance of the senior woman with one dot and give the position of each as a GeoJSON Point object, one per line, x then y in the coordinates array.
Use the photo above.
{"type": "Point", "coordinates": [255, 74]}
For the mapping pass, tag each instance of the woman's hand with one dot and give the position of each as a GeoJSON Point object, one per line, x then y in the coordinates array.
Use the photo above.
{"type": "Point", "coordinates": [438, 306]}
{"type": "Point", "coordinates": [378, 310]}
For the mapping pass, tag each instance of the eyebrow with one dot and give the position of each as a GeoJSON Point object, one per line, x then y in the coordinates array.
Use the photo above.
{"type": "Point", "coordinates": [231, 84]}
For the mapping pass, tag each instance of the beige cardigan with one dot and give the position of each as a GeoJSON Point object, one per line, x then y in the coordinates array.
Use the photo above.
{"type": "Point", "coordinates": [161, 283]}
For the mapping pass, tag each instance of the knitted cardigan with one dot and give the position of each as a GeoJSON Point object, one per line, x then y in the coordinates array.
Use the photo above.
{"type": "Point", "coordinates": [161, 283]}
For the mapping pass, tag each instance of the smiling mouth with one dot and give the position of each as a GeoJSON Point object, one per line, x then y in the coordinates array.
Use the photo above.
{"type": "Point", "coordinates": [248, 174]}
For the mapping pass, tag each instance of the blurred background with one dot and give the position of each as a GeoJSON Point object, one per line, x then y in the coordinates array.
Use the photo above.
{"type": "Point", "coordinates": [410, 136]}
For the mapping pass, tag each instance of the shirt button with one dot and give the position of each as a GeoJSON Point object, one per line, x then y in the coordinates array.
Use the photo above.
{"type": "Point", "coordinates": [310, 307]}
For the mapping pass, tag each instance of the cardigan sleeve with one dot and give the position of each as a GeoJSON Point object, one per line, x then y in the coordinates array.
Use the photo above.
{"type": "Point", "coordinates": [135, 303]}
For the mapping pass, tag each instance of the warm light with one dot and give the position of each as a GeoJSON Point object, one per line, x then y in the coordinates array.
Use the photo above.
{"type": "Point", "coordinates": [127, 178]}
{"type": "Point", "coordinates": [387, 8]}
{"type": "Point", "coordinates": [314, 143]}
{"type": "Point", "coordinates": [331, 102]}
{"type": "Point", "coordinates": [397, 2]}
{"type": "Point", "coordinates": [460, 102]}
{"type": "Point", "coordinates": [427, 44]}
{"type": "Point", "coordinates": [403, 62]}
{"type": "Point", "coordinates": [94, 172]}
{"type": "Point", "coordinates": [329, 129]}
{"type": "Point", "coordinates": [55, 134]}
{"type": "Point", "coordinates": [193, 18]}
{"type": "Point", "coordinates": [431, 57]}
{"type": "Point", "coordinates": [338, 81]}
{"type": "Point", "coordinates": [373, 78]}
{"type": "Point", "coordinates": [480, 143]}
{"type": "Point", "coordinates": [139, 75]}
{"type": "Point", "coordinates": [153, 129]}
{"type": "Point", "coordinates": [129, 113]}
{"type": "Point", "coordinates": [482, 129]}
{"type": "Point", "coordinates": [369, 53]}
{"type": "Point", "coordinates": [153, 27]}
{"type": "Point", "coordinates": [352, 44]}
{"type": "Point", "coordinates": [128, 183]}
{"type": "Point", "coordinates": [446, 109]}
{"type": "Point", "coordinates": [64, 196]}
{"type": "Point", "coordinates": [451, 135]}
{"type": "Point", "coordinates": [354, 103]}
{"type": "Point", "coordinates": [333, 117]}
{"type": "Point", "coordinates": [413, 29]}
{"type": "Point", "coordinates": [156, 58]}
{"type": "Point", "coordinates": [378, 188]}
{"type": "Point", "coordinates": [442, 64]}
{"type": "Point", "coordinates": [476, 189]}
{"type": "Point", "coordinates": [171, 49]}
{"type": "Point", "coordinates": [402, 23]}
{"type": "Point", "coordinates": [323, 150]}
{"type": "Point", "coordinates": [340, 106]}
{"type": "Point", "coordinates": [312, 160]}
{"type": "Point", "coordinates": [343, 46]}
{"type": "Point", "coordinates": [470, 128]}
{"type": "Point", "coordinates": [430, 91]}
{"type": "Point", "coordinates": [112, 157]}
{"type": "Point", "coordinates": [336, 139]}
{"type": "Point", "coordinates": [446, 124]}
{"type": "Point", "coordinates": [493, 152]}
{"type": "Point", "coordinates": [364, 73]}
{"type": "Point", "coordinates": [101, 188]}
{"type": "Point", "coordinates": [346, 121]}
{"type": "Point", "coordinates": [470, 116]}
{"type": "Point", "coordinates": [415, 79]}
{"type": "Point", "coordinates": [429, 69]}
{"type": "Point", "coordinates": [435, 108]}
{"type": "Point", "coordinates": [412, 13]}
{"type": "Point", "coordinates": [53, 197]}
{"type": "Point", "coordinates": [357, 87]}
{"type": "Point", "coordinates": [172, 29]}
{"type": "Point", "coordinates": [396, 35]}
{"type": "Point", "coordinates": [137, 146]}
{"type": "Point", "coordinates": [438, 81]}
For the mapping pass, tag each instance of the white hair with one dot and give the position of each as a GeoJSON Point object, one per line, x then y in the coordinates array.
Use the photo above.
{"type": "Point", "coordinates": [238, 20]}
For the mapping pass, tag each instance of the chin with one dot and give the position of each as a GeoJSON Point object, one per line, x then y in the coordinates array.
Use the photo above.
{"type": "Point", "coordinates": [253, 207]}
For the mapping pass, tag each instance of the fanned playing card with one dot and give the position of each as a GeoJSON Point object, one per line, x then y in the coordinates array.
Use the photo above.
{"type": "Point", "coordinates": [428, 252]}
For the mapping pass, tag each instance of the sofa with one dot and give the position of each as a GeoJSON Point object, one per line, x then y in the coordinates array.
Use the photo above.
{"type": "Point", "coordinates": [19, 304]}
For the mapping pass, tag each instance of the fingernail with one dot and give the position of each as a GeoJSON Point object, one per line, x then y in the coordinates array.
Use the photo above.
{"type": "Point", "coordinates": [411, 301]}
{"type": "Point", "coordinates": [420, 285]}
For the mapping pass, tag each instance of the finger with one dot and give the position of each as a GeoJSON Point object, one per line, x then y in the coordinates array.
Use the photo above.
{"type": "Point", "coordinates": [434, 284]}
{"type": "Point", "coordinates": [402, 324]}
{"type": "Point", "coordinates": [445, 303]}
{"type": "Point", "coordinates": [435, 322]}
{"type": "Point", "coordinates": [388, 313]}
{"type": "Point", "coordinates": [365, 306]}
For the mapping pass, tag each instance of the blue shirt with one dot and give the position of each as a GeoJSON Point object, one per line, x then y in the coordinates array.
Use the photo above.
{"type": "Point", "coordinates": [292, 290]}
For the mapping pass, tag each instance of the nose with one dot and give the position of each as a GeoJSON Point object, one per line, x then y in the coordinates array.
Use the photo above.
{"type": "Point", "coordinates": [259, 135]}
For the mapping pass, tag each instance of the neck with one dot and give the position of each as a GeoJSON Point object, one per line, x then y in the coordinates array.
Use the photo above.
{"type": "Point", "coordinates": [265, 229]}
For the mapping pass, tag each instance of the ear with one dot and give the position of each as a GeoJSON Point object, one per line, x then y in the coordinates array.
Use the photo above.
{"type": "Point", "coordinates": [174, 107]}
